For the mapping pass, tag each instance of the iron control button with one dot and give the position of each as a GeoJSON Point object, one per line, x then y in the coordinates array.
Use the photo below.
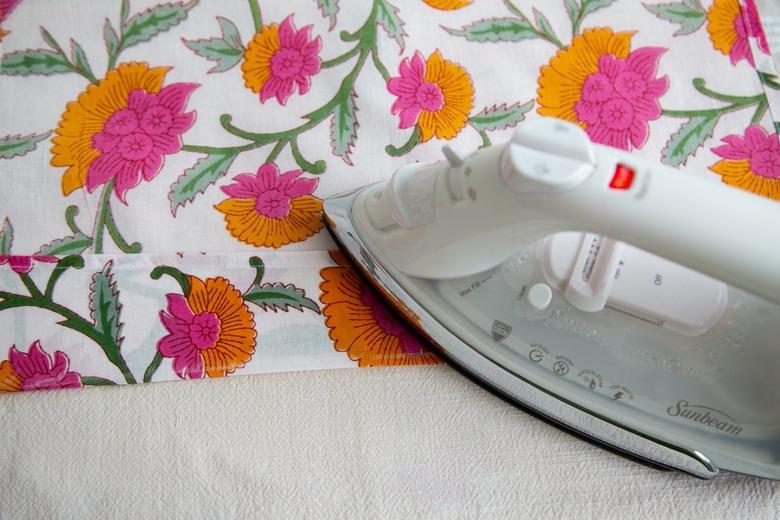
{"type": "Point", "coordinates": [556, 137]}
{"type": "Point", "coordinates": [540, 296]}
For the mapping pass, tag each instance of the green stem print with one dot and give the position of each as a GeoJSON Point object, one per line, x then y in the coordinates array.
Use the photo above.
{"type": "Point", "coordinates": [96, 381]}
{"type": "Point", "coordinates": [100, 218]}
{"type": "Point", "coordinates": [133, 30]}
{"type": "Point", "coordinates": [700, 123]}
{"type": "Point", "coordinates": [578, 10]}
{"type": "Point", "coordinates": [497, 117]}
{"type": "Point", "coordinates": [520, 27]}
{"type": "Point", "coordinates": [79, 241]}
{"type": "Point", "coordinates": [690, 15]}
{"type": "Point", "coordinates": [340, 109]}
{"type": "Point", "coordinates": [257, 18]}
{"type": "Point", "coordinates": [152, 368]}
{"type": "Point", "coordinates": [142, 26]}
{"type": "Point", "coordinates": [103, 326]}
{"type": "Point", "coordinates": [18, 145]}
{"type": "Point", "coordinates": [105, 220]}
{"type": "Point", "coordinates": [408, 146]}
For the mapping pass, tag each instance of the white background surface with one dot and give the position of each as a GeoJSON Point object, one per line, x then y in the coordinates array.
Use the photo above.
{"type": "Point", "coordinates": [373, 443]}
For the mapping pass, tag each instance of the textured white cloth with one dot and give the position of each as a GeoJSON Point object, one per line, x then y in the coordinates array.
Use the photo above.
{"type": "Point", "coordinates": [374, 443]}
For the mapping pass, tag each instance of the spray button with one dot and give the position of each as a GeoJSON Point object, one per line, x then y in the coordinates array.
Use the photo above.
{"type": "Point", "coordinates": [540, 296]}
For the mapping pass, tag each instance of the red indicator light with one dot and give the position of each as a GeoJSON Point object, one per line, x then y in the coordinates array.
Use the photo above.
{"type": "Point", "coordinates": [623, 177]}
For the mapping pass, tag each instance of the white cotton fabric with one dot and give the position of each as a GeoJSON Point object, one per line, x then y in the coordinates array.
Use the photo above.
{"type": "Point", "coordinates": [374, 443]}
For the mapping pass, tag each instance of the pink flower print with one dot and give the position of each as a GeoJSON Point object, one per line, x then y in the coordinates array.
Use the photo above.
{"type": "Point", "coordinates": [24, 264]}
{"type": "Point", "coordinates": [389, 324]}
{"type": "Point", "coordinates": [270, 208]}
{"type": "Point", "coordinates": [741, 48]}
{"type": "Point", "coordinates": [754, 28]}
{"type": "Point", "coordinates": [435, 95]}
{"type": "Point", "coordinates": [134, 140]}
{"type": "Point", "coordinates": [747, 24]}
{"type": "Point", "coordinates": [37, 371]}
{"type": "Point", "coordinates": [210, 331]}
{"type": "Point", "coordinates": [751, 161]}
{"type": "Point", "coordinates": [760, 148]}
{"type": "Point", "coordinates": [731, 24]}
{"type": "Point", "coordinates": [414, 93]}
{"type": "Point", "coordinates": [280, 58]}
{"type": "Point", "coordinates": [188, 333]}
{"type": "Point", "coordinates": [6, 6]}
{"type": "Point", "coordinates": [273, 192]}
{"type": "Point", "coordinates": [620, 98]}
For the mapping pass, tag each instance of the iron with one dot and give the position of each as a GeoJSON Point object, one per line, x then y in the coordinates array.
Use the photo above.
{"type": "Point", "coordinates": [634, 304]}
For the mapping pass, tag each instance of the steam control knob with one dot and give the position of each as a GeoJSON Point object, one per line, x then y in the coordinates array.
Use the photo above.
{"type": "Point", "coordinates": [556, 137]}
{"type": "Point", "coordinates": [547, 155]}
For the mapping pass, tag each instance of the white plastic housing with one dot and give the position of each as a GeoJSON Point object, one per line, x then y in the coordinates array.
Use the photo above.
{"type": "Point", "coordinates": [551, 179]}
{"type": "Point", "coordinates": [638, 283]}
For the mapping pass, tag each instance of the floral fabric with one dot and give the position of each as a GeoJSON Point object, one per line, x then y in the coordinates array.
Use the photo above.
{"type": "Point", "coordinates": [163, 165]}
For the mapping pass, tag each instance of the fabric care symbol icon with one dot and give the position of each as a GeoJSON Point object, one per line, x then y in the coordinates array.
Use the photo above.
{"type": "Point", "coordinates": [561, 368]}
{"type": "Point", "coordinates": [537, 352]}
{"type": "Point", "coordinates": [500, 330]}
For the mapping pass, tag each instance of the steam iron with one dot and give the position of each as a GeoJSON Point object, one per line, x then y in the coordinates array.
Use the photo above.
{"type": "Point", "coordinates": [632, 303]}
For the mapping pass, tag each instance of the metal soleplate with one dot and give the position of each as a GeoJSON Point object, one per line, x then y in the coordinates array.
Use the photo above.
{"type": "Point", "coordinates": [517, 390]}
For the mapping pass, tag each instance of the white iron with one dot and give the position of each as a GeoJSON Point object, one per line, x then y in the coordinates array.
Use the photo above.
{"type": "Point", "coordinates": [515, 262]}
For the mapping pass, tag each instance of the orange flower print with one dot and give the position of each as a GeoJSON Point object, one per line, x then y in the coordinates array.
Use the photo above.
{"type": "Point", "coordinates": [751, 161]}
{"type": "Point", "coordinates": [730, 25]}
{"type": "Point", "coordinates": [9, 379]}
{"type": "Point", "coordinates": [600, 84]}
{"type": "Point", "coordinates": [280, 58]}
{"type": "Point", "coordinates": [362, 325]}
{"type": "Point", "coordinates": [435, 94]}
{"type": "Point", "coordinates": [448, 5]}
{"type": "Point", "coordinates": [120, 129]}
{"type": "Point", "coordinates": [271, 209]}
{"type": "Point", "coordinates": [211, 331]}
